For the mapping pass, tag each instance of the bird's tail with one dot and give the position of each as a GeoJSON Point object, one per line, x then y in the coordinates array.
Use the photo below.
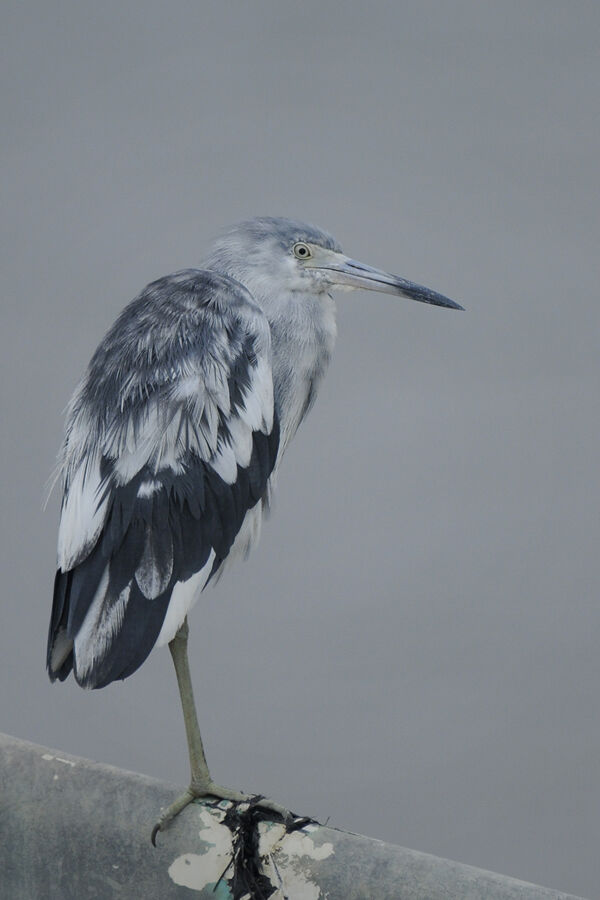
{"type": "Point", "coordinates": [99, 631]}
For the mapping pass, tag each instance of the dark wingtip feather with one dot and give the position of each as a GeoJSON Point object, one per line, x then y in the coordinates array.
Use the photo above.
{"type": "Point", "coordinates": [132, 644]}
{"type": "Point", "coordinates": [58, 625]}
{"type": "Point", "coordinates": [64, 671]}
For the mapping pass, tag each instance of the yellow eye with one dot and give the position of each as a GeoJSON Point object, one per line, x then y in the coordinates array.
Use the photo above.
{"type": "Point", "coordinates": [302, 250]}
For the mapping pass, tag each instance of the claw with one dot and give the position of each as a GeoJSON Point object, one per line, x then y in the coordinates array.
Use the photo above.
{"type": "Point", "coordinates": [253, 801]}
{"type": "Point", "coordinates": [174, 809]}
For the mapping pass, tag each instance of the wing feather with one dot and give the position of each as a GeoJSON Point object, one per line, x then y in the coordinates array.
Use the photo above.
{"type": "Point", "coordinates": [171, 440]}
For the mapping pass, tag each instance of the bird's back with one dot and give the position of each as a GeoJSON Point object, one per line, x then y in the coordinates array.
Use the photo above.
{"type": "Point", "coordinates": [170, 443]}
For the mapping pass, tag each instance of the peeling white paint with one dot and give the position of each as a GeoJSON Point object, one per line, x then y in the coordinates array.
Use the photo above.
{"type": "Point", "coordinates": [269, 837]}
{"type": "Point", "coordinates": [190, 871]}
{"type": "Point", "coordinates": [286, 858]}
{"type": "Point", "coordinates": [197, 870]}
{"type": "Point", "coordinates": [67, 762]}
{"type": "Point", "coordinates": [286, 861]}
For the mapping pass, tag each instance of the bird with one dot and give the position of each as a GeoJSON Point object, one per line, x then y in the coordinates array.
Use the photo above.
{"type": "Point", "coordinates": [173, 439]}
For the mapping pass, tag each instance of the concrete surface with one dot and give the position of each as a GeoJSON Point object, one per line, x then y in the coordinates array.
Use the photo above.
{"type": "Point", "coordinates": [71, 829]}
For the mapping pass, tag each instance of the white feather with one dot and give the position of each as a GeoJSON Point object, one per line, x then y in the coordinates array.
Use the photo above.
{"type": "Point", "coordinates": [257, 411]}
{"type": "Point", "coordinates": [185, 594]}
{"type": "Point", "coordinates": [241, 441]}
{"type": "Point", "coordinates": [148, 488]}
{"type": "Point", "coordinates": [99, 627]}
{"type": "Point", "coordinates": [224, 464]}
{"type": "Point", "coordinates": [60, 650]}
{"type": "Point", "coordinates": [82, 514]}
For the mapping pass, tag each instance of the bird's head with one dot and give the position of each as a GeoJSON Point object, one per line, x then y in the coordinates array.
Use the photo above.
{"type": "Point", "coordinates": [275, 255]}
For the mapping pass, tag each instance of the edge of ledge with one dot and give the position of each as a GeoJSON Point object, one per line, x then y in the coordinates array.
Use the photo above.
{"type": "Point", "coordinates": [73, 828]}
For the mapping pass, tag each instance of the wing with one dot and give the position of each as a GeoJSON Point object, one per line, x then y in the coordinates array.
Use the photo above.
{"type": "Point", "coordinates": [171, 438]}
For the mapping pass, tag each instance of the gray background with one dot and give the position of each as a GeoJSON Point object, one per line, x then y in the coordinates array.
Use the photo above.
{"type": "Point", "coordinates": [412, 650]}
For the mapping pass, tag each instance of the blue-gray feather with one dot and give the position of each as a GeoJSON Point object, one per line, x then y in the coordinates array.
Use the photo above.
{"type": "Point", "coordinates": [163, 520]}
{"type": "Point", "coordinates": [172, 437]}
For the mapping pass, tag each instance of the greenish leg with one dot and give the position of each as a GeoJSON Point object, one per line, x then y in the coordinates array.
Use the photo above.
{"type": "Point", "coordinates": [200, 775]}
{"type": "Point", "coordinates": [201, 784]}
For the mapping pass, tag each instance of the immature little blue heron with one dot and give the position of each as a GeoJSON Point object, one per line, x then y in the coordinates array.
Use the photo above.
{"type": "Point", "coordinates": [173, 437]}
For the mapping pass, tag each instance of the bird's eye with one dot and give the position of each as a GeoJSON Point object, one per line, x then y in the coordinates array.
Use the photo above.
{"type": "Point", "coordinates": [302, 251]}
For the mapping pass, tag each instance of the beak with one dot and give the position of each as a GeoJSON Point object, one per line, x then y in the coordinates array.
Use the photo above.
{"type": "Point", "coordinates": [348, 272]}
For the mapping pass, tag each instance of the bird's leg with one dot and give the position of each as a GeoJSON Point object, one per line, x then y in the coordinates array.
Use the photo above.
{"type": "Point", "coordinates": [201, 784]}
{"type": "Point", "coordinates": [199, 769]}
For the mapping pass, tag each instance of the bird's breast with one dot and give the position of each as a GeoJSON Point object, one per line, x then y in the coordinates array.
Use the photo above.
{"type": "Point", "coordinates": [302, 338]}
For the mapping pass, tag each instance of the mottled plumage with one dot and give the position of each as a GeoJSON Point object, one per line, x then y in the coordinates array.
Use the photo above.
{"type": "Point", "coordinates": [173, 437]}
{"type": "Point", "coordinates": [171, 440]}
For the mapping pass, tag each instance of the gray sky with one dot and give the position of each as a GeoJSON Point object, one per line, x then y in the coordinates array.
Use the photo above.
{"type": "Point", "coordinates": [413, 649]}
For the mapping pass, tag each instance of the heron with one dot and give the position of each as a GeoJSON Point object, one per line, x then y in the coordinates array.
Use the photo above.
{"type": "Point", "coordinates": [173, 438]}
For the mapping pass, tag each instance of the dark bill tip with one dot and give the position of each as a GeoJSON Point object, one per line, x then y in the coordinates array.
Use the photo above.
{"type": "Point", "coordinates": [426, 295]}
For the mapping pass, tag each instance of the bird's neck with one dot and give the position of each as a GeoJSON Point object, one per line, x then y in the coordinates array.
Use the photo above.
{"type": "Point", "coordinates": [303, 332]}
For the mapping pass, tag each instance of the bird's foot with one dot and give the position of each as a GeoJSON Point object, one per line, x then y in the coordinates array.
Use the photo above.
{"type": "Point", "coordinates": [209, 789]}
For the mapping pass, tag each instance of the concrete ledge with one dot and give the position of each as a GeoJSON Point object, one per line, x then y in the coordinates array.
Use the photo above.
{"type": "Point", "coordinates": [71, 829]}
